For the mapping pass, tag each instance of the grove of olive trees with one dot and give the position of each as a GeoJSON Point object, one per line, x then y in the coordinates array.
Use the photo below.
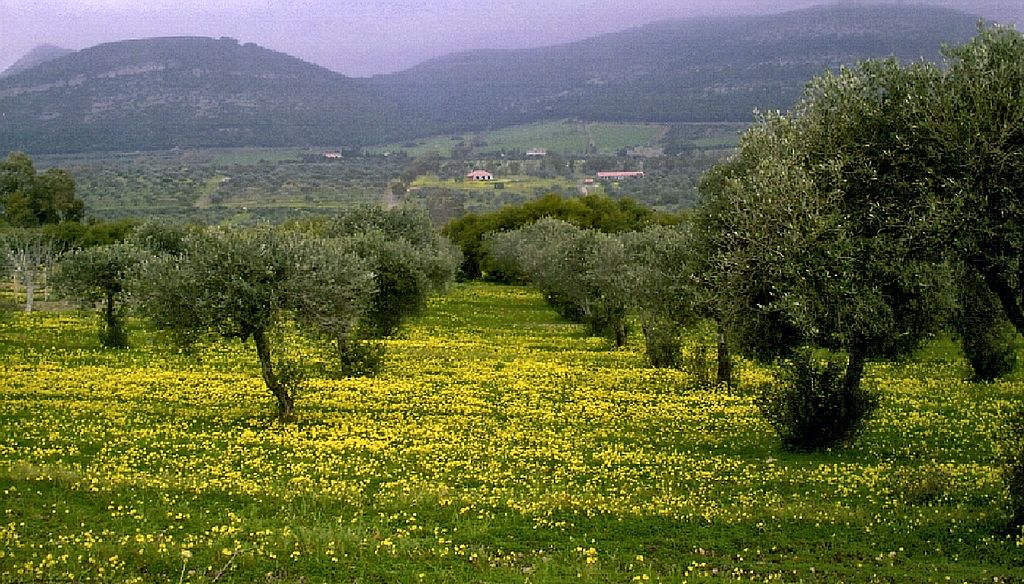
{"type": "Point", "coordinates": [849, 229]}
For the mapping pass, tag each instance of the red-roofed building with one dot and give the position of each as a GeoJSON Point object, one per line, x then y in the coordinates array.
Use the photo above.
{"type": "Point", "coordinates": [621, 174]}
{"type": "Point", "coordinates": [480, 175]}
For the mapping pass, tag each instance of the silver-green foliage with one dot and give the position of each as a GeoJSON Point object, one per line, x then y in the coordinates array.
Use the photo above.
{"type": "Point", "coordinates": [665, 292]}
{"type": "Point", "coordinates": [100, 274]}
{"type": "Point", "coordinates": [584, 274]}
{"type": "Point", "coordinates": [810, 230]}
{"type": "Point", "coordinates": [977, 127]}
{"type": "Point", "coordinates": [245, 282]}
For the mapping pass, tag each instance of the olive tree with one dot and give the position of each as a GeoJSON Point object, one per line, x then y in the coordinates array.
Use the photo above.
{"type": "Point", "coordinates": [29, 254]}
{"type": "Point", "coordinates": [665, 290]}
{"type": "Point", "coordinates": [410, 261]}
{"type": "Point", "coordinates": [978, 124]}
{"type": "Point", "coordinates": [244, 283]}
{"type": "Point", "coordinates": [99, 274]}
{"type": "Point", "coordinates": [583, 273]}
{"type": "Point", "coordinates": [988, 339]}
{"type": "Point", "coordinates": [809, 228]}
{"type": "Point", "coordinates": [435, 257]}
{"type": "Point", "coordinates": [161, 237]}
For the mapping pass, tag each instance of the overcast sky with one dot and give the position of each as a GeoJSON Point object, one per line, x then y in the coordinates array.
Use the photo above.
{"type": "Point", "coordinates": [366, 37]}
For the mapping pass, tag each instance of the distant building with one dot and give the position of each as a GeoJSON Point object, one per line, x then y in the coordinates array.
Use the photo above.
{"type": "Point", "coordinates": [332, 154]}
{"type": "Point", "coordinates": [540, 152]}
{"type": "Point", "coordinates": [620, 174]}
{"type": "Point", "coordinates": [480, 175]}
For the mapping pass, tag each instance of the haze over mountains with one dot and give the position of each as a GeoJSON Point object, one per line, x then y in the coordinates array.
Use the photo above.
{"type": "Point", "coordinates": [361, 38]}
{"type": "Point", "coordinates": [191, 92]}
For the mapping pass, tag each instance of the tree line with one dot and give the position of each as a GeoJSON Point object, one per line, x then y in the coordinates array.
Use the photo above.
{"type": "Point", "coordinates": [885, 205]}
{"type": "Point", "coordinates": [349, 280]}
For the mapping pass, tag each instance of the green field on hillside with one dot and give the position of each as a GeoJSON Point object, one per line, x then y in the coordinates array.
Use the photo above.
{"type": "Point", "coordinates": [519, 183]}
{"type": "Point", "coordinates": [499, 445]}
{"type": "Point", "coordinates": [560, 137]}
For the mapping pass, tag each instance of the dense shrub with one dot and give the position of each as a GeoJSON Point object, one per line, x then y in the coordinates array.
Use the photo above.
{"type": "Point", "coordinates": [664, 345]}
{"type": "Point", "coordinates": [992, 352]}
{"type": "Point", "coordinates": [361, 357]}
{"type": "Point", "coordinates": [812, 408]}
{"type": "Point", "coordinates": [988, 340]}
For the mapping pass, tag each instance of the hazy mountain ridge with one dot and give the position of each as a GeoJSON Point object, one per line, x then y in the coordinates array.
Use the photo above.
{"type": "Point", "coordinates": [190, 91]}
{"type": "Point", "coordinates": [187, 91]}
{"type": "Point", "coordinates": [675, 71]}
{"type": "Point", "coordinates": [35, 57]}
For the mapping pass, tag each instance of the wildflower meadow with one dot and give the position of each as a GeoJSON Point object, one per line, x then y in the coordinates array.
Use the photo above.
{"type": "Point", "coordinates": [499, 444]}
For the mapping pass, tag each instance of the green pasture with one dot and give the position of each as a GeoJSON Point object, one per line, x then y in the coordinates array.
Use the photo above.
{"type": "Point", "coordinates": [518, 183]}
{"type": "Point", "coordinates": [500, 444]}
{"type": "Point", "coordinates": [558, 137]}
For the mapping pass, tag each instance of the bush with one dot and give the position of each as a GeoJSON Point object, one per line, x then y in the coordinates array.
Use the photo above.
{"type": "Point", "coordinates": [361, 358]}
{"type": "Point", "coordinates": [1011, 452]}
{"type": "Point", "coordinates": [992, 351]}
{"type": "Point", "coordinates": [664, 347]}
{"type": "Point", "coordinates": [812, 408]}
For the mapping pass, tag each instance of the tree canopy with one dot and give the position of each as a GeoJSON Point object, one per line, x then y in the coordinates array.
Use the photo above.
{"type": "Point", "coordinates": [28, 199]}
{"type": "Point", "coordinates": [244, 282]}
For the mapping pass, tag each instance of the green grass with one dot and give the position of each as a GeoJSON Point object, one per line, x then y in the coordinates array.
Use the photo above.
{"type": "Point", "coordinates": [501, 444]}
{"type": "Point", "coordinates": [518, 183]}
{"type": "Point", "coordinates": [249, 156]}
{"type": "Point", "coordinates": [561, 137]}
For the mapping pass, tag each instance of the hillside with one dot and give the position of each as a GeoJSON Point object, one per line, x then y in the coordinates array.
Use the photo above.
{"type": "Point", "coordinates": [678, 71]}
{"type": "Point", "coordinates": [188, 92]}
{"type": "Point", "coordinates": [199, 92]}
{"type": "Point", "coordinates": [35, 57]}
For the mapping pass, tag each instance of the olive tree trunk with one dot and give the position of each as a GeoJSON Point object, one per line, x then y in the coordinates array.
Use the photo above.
{"type": "Point", "coordinates": [285, 402]}
{"type": "Point", "coordinates": [724, 358]}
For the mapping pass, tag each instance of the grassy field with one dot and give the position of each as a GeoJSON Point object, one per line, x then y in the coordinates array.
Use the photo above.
{"type": "Point", "coordinates": [500, 445]}
{"type": "Point", "coordinates": [562, 137]}
{"type": "Point", "coordinates": [518, 183]}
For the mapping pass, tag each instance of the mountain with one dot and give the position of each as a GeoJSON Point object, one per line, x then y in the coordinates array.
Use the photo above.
{"type": "Point", "coordinates": [677, 71]}
{"type": "Point", "coordinates": [189, 92]}
{"type": "Point", "coordinates": [192, 92]}
{"type": "Point", "coordinates": [36, 56]}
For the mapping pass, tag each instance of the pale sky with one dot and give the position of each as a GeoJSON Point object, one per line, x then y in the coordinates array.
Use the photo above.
{"type": "Point", "coordinates": [365, 37]}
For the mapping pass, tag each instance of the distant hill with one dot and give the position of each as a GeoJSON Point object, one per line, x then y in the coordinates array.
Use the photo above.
{"type": "Point", "coordinates": [678, 71]}
{"type": "Point", "coordinates": [36, 56]}
{"type": "Point", "coordinates": [190, 92]}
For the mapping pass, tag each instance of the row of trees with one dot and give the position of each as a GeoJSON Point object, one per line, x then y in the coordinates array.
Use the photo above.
{"type": "Point", "coordinates": [592, 211]}
{"type": "Point", "coordinates": [600, 279]}
{"type": "Point", "coordinates": [885, 203]}
{"type": "Point", "coordinates": [348, 279]}
{"type": "Point", "coordinates": [890, 196]}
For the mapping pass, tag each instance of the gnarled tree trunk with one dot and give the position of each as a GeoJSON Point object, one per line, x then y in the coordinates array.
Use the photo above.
{"type": "Point", "coordinates": [285, 402]}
